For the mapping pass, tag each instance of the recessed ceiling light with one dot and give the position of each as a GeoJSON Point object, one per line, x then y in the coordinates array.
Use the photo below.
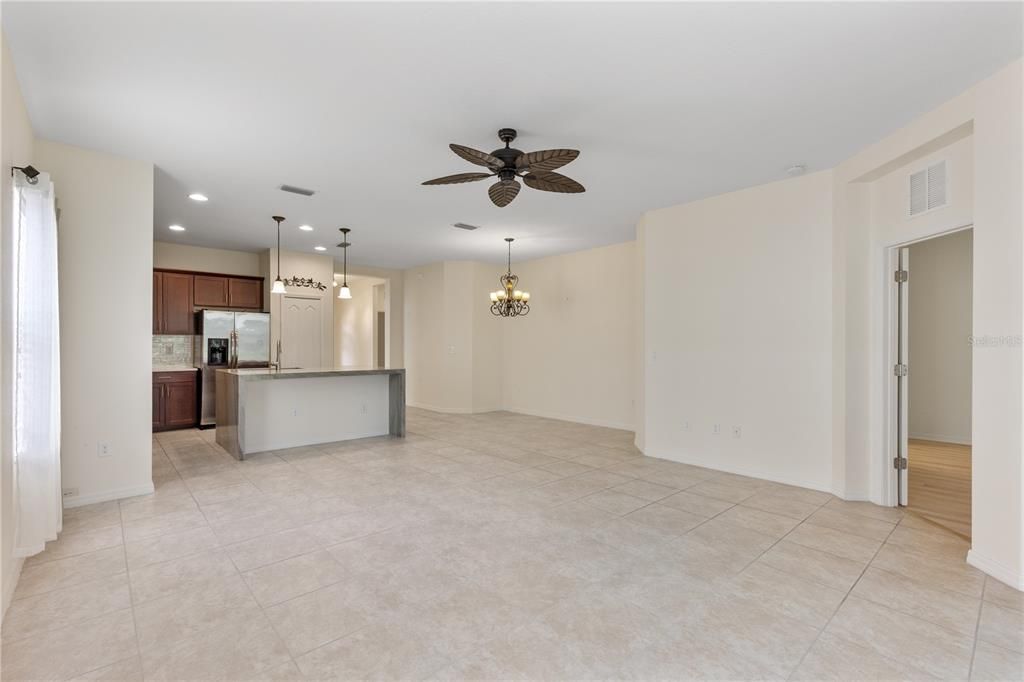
{"type": "Point", "coordinates": [796, 169]}
{"type": "Point", "coordinates": [176, 228]}
{"type": "Point", "coordinates": [196, 196]}
{"type": "Point", "coordinates": [306, 228]}
{"type": "Point", "coordinates": [320, 248]}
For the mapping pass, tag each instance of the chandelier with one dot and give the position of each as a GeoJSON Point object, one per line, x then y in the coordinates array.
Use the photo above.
{"type": "Point", "coordinates": [510, 301]}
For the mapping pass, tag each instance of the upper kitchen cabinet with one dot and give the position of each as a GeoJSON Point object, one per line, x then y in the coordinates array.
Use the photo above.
{"type": "Point", "coordinates": [172, 303]}
{"type": "Point", "coordinates": [211, 291]}
{"type": "Point", "coordinates": [245, 293]}
{"type": "Point", "coordinates": [176, 294]}
{"type": "Point", "coordinates": [223, 291]}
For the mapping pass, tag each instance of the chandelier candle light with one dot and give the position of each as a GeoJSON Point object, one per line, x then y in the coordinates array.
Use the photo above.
{"type": "Point", "coordinates": [509, 301]}
{"type": "Point", "coordinates": [344, 292]}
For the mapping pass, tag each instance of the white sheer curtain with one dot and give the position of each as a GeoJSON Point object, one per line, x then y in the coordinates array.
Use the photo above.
{"type": "Point", "coordinates": [37, 492]}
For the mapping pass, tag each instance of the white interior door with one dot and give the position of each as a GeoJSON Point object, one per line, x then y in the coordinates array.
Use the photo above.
{"type": "Point", "coordinates": [902, 372]}
{"type": "Point", "coordinates": [301, 332]}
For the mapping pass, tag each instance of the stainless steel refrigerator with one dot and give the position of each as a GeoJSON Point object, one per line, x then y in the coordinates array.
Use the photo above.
{"type": "Point", "coordinates": [225, 339]}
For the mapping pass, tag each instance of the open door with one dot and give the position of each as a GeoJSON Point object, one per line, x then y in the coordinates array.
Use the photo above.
{"type": "Point", "coordinates": [902, 372]}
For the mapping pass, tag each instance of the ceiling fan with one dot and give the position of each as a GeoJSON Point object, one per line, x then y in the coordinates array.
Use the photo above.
{"type": "Point", "coordinates": [507, 164]}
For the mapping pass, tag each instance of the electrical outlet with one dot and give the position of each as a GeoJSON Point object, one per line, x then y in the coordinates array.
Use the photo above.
{"type": "Point", "coordinates": [686, 426]}
{"type": "Point", "coordinates": [737, 431]}
{"type": "Point", "coordinates": [103, 450]}
{"type": "Point", "coordinates": [295, 412]}
{"type": "Point", "coordinates": [364, 408]}
{"type": "Point", "coordinates": [716, 429]}
{"type": "Point", "coordinates": [69, 492]}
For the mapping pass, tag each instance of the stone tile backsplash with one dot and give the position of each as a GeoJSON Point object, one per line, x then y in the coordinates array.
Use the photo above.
{"type": "Point", "coordinates": [172, 350]}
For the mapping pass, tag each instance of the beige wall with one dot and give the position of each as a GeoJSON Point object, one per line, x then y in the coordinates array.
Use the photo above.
{"type": "Point", "coordinates": [105, 204]}
{"type": "Point", "coordinates": [493, 355]}
{"type": "Point", "coordinates": [452, 350]}
{"type": "Point", "coordinates": [424, 336]}
{"type": "Point", "coordinates": [940, 330]}
{"type": "Point", "coordinates": [997, 408]}
{"type": "Point", "coordinates": [573, 356]}
{"type": "Point", "coordinates": [201, 259]}
{"type": "Point", "coordinates": [738, 331]}
{"type": "Point", "coordinates": [16, 142]}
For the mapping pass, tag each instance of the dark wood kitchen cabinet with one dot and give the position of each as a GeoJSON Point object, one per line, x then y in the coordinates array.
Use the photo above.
{"type": "Point", "coordinates": [158, 293]}
{"type": "Point", "coordinates": [210, 292]}
{"type": "Point", "coordinates": [220, 291]}
{"type": "Point", "coordinates": [177, 293]}
{"type": "Point", "coordinates": [174, 400]}
{"type": "Point", "coordinates": [245, 293]}
{"type": "Point", "coordinates": [172, 303]}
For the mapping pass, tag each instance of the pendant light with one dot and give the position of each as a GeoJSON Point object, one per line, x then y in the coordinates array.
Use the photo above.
{"type": "Point", "coordinates": [278, 287]}
{"type": "Point", "coordinates": [344, 292]}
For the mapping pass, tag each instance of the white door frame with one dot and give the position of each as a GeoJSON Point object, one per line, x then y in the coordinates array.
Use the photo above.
{"type": "Point", "coordinates": [889, 259]}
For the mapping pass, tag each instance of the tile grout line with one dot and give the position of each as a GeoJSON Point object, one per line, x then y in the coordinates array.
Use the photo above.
{"type": "Point", "coordinates": [840, 605]}
{"type": "Point", "coordinates": [977, 628]}
{"type": "Point", "coordinates": [128, 577]}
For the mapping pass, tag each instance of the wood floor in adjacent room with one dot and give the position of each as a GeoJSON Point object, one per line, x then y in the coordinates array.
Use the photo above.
{"type": "Point", "coordinates": [939, 484]}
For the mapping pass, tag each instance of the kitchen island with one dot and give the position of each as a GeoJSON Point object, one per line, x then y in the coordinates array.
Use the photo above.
{"type": "Point", "coordinates": [268, 409]}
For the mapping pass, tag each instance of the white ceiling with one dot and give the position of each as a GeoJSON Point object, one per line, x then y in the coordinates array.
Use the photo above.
{"type": "Point", "coordinates": [667, 103]}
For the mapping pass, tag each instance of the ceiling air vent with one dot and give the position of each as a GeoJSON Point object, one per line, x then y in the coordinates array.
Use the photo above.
{"type": "Point", "coordinates": [297, 190]}
{"type": "Point", "coordinates": [928, 189]}
{"type": "Point", "coordinates": [466, 226]}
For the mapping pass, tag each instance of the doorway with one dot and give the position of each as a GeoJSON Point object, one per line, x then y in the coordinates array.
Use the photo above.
{"type": "Point", "coordinates": [360, 323]}
{"type": "Point", "coordinates": [932, 375]}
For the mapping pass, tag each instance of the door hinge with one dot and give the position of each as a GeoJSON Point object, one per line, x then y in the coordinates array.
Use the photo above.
{"type": "Point", "coordinates": [902, 276]}
{"type": "Point", "coordinates": [899, 463]}
{"type": "Point", "coordinates": [900, 370]}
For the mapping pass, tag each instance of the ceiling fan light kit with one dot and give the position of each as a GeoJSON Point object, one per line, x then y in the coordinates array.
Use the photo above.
{"type": "Point", "coordinates": [509, 165]}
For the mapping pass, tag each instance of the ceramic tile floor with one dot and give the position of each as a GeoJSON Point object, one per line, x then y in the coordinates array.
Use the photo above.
{"type": "Point", "coordinates": [497, 546]}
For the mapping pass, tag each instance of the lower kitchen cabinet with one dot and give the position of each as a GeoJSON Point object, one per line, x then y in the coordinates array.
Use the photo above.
{"type": "Point", "coordinates": [174, 400]}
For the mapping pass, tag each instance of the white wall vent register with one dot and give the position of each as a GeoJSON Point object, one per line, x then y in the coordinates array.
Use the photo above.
{"type": "Point", "coordinates": [928, 189]}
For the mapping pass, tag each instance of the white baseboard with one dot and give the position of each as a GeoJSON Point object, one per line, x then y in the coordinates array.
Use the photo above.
{"type": "Point", "coordinates": [444, 410]}
{"type": "Point", "coordinates": [571, 418]}
{"type": "Point", "coordinates": [995, 569]}
{"type": "Point", "coordinates": [521, 411]}
{"type": "Point", "coordinates": [742, 471]}
{"type": "Point", "coordinates": [108, 495]}
{"type": "Point", "coordinates": [940, 438]}
{"type": "Point", "coordinates": [10, 584]}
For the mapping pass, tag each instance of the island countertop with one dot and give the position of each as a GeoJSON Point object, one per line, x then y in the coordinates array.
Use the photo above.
{"type": "Point", "coordinates": [300, 373]}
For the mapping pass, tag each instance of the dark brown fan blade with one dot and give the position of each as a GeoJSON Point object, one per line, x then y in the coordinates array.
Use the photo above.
{"type": "Point", "coordinates": [546, 159]}
{"type": "Point", "coordinates": [478, 157]}
{"type": "Point", "coordinates": [457, 178]}
{"type": "Point", "coordinates": [553, 182]}
{"type": "Point", "coordinates": [502, 193]}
